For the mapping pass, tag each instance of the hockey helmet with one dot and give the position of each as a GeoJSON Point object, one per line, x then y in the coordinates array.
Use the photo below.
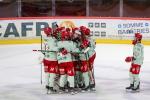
{"type": "Point", "coordinates": [47, 31]}
{"type": "Point", "coordinates": [87, 32]}
{"type": "Point", "coordinates": [61, 28]}
{"type": "Point", "coordinates": [82, 28]}
{"type": "Point", "coordinates": [76, 31]}
{"type": "Point", "coordinates": [68, 29]}
{"type": "Point", "coordinates": [138, 36]}
{"type": "Point", "coordinates": [65, 35]}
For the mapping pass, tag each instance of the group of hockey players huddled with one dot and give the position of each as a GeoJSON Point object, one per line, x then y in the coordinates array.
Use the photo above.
{"type": "Point", "coordinates": [68, 58]}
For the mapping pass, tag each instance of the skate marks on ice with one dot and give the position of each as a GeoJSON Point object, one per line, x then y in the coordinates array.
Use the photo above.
{"type": "Point", "coordinates": [115, 90]}
{"type": "Point", "coordinates": [111, 75]}
{"type": "Point", "coordinates": [112, 82]}
{"type": "Point", "coordinates": [21, 92]}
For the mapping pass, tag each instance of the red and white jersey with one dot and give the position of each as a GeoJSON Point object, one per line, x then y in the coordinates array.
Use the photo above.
{"type": "Point", "coordinates": [51, 47]}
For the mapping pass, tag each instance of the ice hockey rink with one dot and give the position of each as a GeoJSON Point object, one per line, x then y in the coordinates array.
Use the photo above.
{"type": "Point", "coordinates": [20, 74]}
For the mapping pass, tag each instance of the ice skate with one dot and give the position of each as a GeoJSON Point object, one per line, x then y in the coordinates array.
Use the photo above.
{"type": "Point", "coordinates": [81, 85]}
{"type": "Point", "coordinates": [137, 89]}
{"type": "Point", "coordinates": [85, 89]}
{"type": "Point", "coordinates": [92, 87]}
{"type": "Point", "coordinates": [129, 88]}
{"type": "Point", "coordinates": [47, 87]}
{"type": "Point", "coordinates": [66, 87]}
{"type": "Point", "coordinates": [52, 91]}
{"type": "Point", "coordinates": [72, 91]}
{"type": "Point", "coordinates": [61, 90]}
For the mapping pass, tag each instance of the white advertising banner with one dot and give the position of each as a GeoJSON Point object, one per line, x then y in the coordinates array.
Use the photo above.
{"type": "Point", "coordinates": [105, 28]}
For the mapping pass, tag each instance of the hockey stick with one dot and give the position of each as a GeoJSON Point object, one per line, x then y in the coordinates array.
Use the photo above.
{"type": "Point", "coordinates": [54, 51]}
{"type": "Point", "coordinates": [48, 82]}
{"type": "Point", "coordinates": [90, 72]}
{"type": "Point", "coordinates": [43, 50]}
{"type": "Point", "coordinates": [41, 63]}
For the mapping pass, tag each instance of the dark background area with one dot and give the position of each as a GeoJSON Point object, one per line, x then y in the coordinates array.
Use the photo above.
{"type": "Point", "coordinates": [103, 8]}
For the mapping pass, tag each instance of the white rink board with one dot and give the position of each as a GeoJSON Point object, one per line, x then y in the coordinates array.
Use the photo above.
{"type": "Point", "coordinates": [100, 27]}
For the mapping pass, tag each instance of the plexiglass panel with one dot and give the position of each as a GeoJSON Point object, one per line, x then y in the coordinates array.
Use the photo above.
{"type": "Point", "coordinates": [103, 8]}
{"type": "Point", "coordinates": [136, 8]}
{"type": "Point", "coordinates": [8, 8]}
{"type": "Point", "coordinates": [70, 7]}
{"type": "Point", "coordinates": [35, 8]}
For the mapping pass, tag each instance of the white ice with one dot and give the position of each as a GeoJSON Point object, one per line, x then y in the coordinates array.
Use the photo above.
{"type": "Point", "coordinates": [20, 74]}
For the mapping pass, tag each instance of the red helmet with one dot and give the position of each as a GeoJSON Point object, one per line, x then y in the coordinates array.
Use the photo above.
{"type": "Point", "coordinates": [47, 31]}
{"type": "Point", "coordinates": [61, 28]}
{"type": "Point", "coordinates": [64, 35]}
{"type": "Point", "coordinates": [87, 32]}
{"type": "Point", "coordinates": [138, 36]}
{"type": "Point", "coordinates": [74, 29]}
{"type": "Point", "coordinates": [68, 29]}
{"type": "Point", "coordinates": [58, 29]}
{"type": "Point", "coordinates": [82, 28]}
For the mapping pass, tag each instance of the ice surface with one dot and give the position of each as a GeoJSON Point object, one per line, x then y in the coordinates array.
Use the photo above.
{"type": "Point", "coordinates": [20, 74]}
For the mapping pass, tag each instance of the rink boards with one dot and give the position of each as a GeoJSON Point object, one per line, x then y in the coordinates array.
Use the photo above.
{"type": "Point", "coordinates": [104, 29]}
{"type": "Point", "coordinates": [98, 41]}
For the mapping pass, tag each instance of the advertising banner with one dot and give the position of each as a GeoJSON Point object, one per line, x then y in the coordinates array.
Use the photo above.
{"type": "Point", "coordinates": [101, 28]}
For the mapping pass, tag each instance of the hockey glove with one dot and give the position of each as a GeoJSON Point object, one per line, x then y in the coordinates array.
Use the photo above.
{"type": "Point", "coordinates": [63, 51]}
{"type": "Point", "coordinates": [129, 59]}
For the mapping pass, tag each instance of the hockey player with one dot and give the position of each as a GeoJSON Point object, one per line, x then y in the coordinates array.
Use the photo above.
{"type": "Point", "coordinates": [91, 53]}
{"type": "Point", "coordinates": [87, 59]}
{"type": "Point", "coordinates": [136, 62]}
{"type": "Point", "coordinates": [50, 58]}
{"type": "Point", "coordinates": [76, 59]}
{"type": "Point", "coordinates": [66, 66]}
{"type": "Point", "coordinates": [45, 35]}
{"type": "Point", "coordinates": [85, 65]}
